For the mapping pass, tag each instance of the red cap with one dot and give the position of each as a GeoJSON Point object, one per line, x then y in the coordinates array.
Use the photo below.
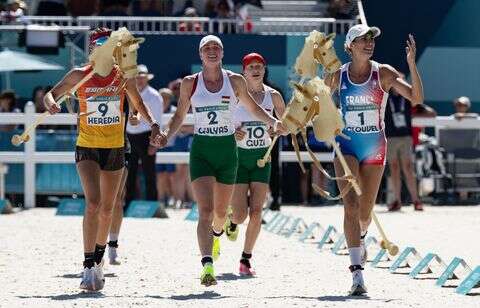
{"type": "Point", "coordinates": [253, 57]}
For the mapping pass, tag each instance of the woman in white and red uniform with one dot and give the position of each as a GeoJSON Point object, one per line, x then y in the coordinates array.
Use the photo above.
{"type": "Point", "coordinates": [363, 87]}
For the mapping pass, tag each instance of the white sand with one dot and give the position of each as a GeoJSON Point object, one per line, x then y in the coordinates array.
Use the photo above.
{"type": "Point", "coordinates": [41, 255]}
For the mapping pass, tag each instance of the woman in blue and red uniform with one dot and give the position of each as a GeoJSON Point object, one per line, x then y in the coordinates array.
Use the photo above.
{"type": "Point", "coordinates": [363, 87]}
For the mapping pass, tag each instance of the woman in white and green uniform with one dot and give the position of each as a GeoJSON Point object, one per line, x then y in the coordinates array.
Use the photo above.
{"type": "Point", "coordinates": [213, 95]}
{"type": "Point", "coordinates": [253, 139]}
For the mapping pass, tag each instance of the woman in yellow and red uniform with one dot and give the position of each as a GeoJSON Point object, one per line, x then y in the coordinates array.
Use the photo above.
{"type": "Point", "coordinates": [100, 153]}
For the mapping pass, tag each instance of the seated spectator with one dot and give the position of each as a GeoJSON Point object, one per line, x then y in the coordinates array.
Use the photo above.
{"type": "Point", "coordinates": [462, 106]}
{"type": "Point", "coordinates": [190, 26]}
{"type": "Point", "coordinates": [8, 102]}
{"type": "Point", "coordinates": [51, 8]}
{"type": "Point", "coordinates": [14, 10]}
{"type": "Point", "coordinates": [223, 12]}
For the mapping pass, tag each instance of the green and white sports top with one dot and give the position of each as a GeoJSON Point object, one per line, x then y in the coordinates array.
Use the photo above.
{"type": "Point", "coordinates": [256, 131]}
{"type": "Point", "coordinates": [213, 112]}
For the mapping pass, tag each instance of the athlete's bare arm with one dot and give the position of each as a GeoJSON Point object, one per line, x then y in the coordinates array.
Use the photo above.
{"type": "Point", "coordinates": [182, 107]}
{"type": "Point", "coordinates": [239, 85]}
{"type": "Point", "coordinates": [62, 87]}
{"type": "Point", "coordinates": [331, 80]}
{"type": "Point", "coordinates": [278, 104]}
{"type": "Point", "coordinates": [390, 77]}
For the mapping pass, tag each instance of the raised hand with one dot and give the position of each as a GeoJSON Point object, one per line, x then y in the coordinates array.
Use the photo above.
{"type": "Point", "coordinates": [411, 50]}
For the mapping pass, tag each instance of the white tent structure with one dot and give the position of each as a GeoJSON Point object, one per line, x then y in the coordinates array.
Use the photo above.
{"type": "Point", "coordinates": [11, 61]}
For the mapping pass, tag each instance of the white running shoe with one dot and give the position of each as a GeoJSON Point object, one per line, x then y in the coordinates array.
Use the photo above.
{"type": "Point", "coordinates": [99, 277]}
{"type": "Point", "coordinates": [88, 279]}
{"type": "Point", "coordinates": [358, 285]}
{"type": "Point", "coordinates": [113, 256]}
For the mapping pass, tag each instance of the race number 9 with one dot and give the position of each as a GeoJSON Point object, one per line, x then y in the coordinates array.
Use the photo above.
{"type": "Point", "coordinates": [103, 109]}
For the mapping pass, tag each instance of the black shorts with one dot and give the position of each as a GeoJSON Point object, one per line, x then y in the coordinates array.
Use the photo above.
{"type": "Point", "coordinates": [107, 159]}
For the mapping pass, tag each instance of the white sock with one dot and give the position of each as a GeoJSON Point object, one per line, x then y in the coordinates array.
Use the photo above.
{"type": "Point", "coordinates": [355, 254]}
{"type": "Point", "coordinates": [363, 233]}
{"type": "Point", "coordinates": [113, 236]}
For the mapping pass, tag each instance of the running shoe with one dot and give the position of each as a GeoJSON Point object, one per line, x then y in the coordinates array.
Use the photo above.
{"type": "Point", "coordinates": [88, 280]}
{"type": "Point", "coordinates": [358, 285]}
{"type": "Point", "coordinates": [246, 271]}
{"type": "Point", "coordinates": [207, 278]}
{"type": "Point", "coordinates": [227, 227]}
{"type": "Point", "coordinates": [418, 206]}
{"type": "Point", "coordinates": [113, 256]}
{"type": "Point", "coordinates": [216, 248]}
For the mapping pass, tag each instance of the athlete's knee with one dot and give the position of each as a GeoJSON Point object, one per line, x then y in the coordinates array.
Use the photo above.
{"type": "Point", "coordinates": [92, 206]}
{"type": "Point", "coordinates": [106, 211]}
{"type": "Point", "coordinates": [394, 165]}
{"type": "Point", "coordinates": [220, 212]}
{"type": "Point", "coordinates": [255, 213]}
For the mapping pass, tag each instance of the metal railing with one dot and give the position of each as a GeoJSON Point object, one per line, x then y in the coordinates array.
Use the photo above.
{"type": "Point", "coordinates": [170, 25]}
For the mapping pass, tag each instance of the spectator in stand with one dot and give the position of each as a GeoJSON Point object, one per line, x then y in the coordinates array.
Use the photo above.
{"type": "Point", "coordinates": [420, 111]}
{"type": "Point", "coordinates": [8, 102]}
{"type": "Point", "coordinates": [462, 106]}
{"type": "Point", "coordinates": [37, 98]}
{"type": "Point", "coordinates": [342, 9]}
{"type": "Point", "coordinates": [51, 8]}
{"type": "Point", "coordinates": [139, 137]}
{"type": "Point", "coordinates": [223, 11]}
{"type": "Point", "coordinates": [114, 7]}
{"type": "Point", "coordinates": [165, 172]}
{"type": "Point", "coordinates": [83, 7]}
{"type": "Point", "coordinates": [398, 130]}
{"type": "Point", "coordinates": [190, 26]}
{"type": "Point", "coordinates": [147, 8]}
{"type": "Point", "coordinates": [183, 141]}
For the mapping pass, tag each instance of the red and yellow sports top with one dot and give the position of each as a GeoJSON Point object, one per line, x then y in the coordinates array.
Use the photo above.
{"type": "Point", "coordinates": [102, 120]}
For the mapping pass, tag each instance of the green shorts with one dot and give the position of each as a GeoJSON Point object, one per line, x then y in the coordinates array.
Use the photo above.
{"type": "Point", "coordinates": [214, 156]}
{"type": "Point", "coordinates": [248, 171]}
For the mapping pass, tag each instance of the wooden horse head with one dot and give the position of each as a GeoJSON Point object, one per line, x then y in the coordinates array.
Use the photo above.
{"type": "Point", "coordinates": [121, 49]}
{"type": "Point", "coordinates": [324, 53]}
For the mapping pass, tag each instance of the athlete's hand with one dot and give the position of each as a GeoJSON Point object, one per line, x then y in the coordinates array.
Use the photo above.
{"type": "Point", "coordinates": [151, 150]}
{"type": "Point", "coordinates": [133, 119]}
{"type": "Point", "coordinates": [158, 139]}
{"type": "Point", "coordinates": [51, 106]}
{"type": "Point", "coordinates": [280, 129]}
{"type": "Point", "coordinates": [239, 134]}
{"type": "Point", "coordinates": [411, 50]}
{"type": "Point", "coordinates": [270, 132]}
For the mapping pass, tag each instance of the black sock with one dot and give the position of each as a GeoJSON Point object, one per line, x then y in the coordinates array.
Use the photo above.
{"type": "Point", "coordinates": [206, 260]}
{"type": "Point", "coordinates": [89, 259]}
{"type": "Point", "coordinates": [233, 226]}
{"type": "Point", "coordinates": [113, 244]}
{"type": "Point", "coordinates": [245, 260]}
{"type": "Point", "coordinates": [217, 234]}
{"type": "Point", "coordinates": [99, 251]}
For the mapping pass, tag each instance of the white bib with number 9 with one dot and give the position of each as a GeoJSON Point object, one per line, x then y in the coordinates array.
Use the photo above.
{"type": "Point", "coordinates": [103, 113]}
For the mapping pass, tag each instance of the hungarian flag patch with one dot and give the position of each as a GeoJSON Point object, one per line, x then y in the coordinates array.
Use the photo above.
{"type": "Point", "coordinates": [225, 99]}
